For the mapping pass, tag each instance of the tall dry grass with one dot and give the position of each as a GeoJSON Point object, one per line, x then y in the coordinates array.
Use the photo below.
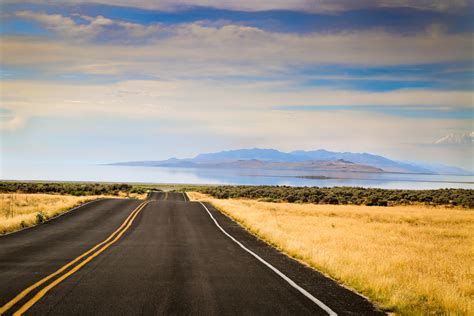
{"type": "Point", "coordinates": [19, 210]}
{"type": "Point", "coordinates": [409, 259]}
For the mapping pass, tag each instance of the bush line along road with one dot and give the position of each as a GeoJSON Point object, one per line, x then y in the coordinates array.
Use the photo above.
{"type": "Point", "coordinates": [345, 195]}
{"type": "Point", "coordinates": [334, 195]}
{"type": "Point", "coordinates": [164, 255]}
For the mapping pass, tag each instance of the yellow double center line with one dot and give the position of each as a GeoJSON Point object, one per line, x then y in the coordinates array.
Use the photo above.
{"type": "Point", "coordinates": [93, 252]}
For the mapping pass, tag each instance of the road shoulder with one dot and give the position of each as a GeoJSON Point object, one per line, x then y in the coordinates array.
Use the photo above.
{"type": "Point", "coordinates": [340, 299]}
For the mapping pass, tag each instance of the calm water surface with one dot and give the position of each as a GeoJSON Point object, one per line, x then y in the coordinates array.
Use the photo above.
{"type": "Point", "coordinates": [231, 176]}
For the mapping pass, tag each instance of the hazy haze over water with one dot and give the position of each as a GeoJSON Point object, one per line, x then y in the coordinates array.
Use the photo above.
{"type": "Point", "coordinates": [103, 173]}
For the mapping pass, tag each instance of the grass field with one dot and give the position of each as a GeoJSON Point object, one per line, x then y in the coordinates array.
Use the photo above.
{"type": "Point", "coordinates": [412, 260]}
{"type": "Point", "coordinates": [20, 210]}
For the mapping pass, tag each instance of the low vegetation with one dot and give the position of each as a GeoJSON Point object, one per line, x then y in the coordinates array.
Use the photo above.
{"type": "Point", "coordinates": [25, 204]}
{"type": "Point", "coordinates": [19, 210]}
{"type": "Point", "coordinates": [345, 195]}
{"type": "Point", "coordinates": [72, 188]}
{"type": "Point", "coordinates": [413, 260]}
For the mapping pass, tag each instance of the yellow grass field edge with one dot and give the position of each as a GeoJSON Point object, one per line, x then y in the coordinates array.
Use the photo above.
{"type": "Point", "coordinates": [410, 260]}
{"type": "Point", "coordinates": [22, 210]}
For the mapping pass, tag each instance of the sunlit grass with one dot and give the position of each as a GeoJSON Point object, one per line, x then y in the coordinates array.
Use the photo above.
{"type": "Point", "coordinates": [18, 210]}
{"type": "Point", "coordinates": [408, 259]}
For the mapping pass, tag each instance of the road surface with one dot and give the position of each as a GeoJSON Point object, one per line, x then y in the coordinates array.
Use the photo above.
{"type": "Point", "coordinates": [165, 255]}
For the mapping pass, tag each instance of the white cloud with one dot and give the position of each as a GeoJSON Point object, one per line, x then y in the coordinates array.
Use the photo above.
{"type": "Point", "coordinates": [237, 110]}
{"type": "Point", "coordinates": [298, 5]}
{"type": "Point", "coordinates": [240, 114]}
{"type": "Point", "coordinates": [58, 23]}
{"type": "Point", "coordinates": [10, 121]}
{"type": "Point", "coordinates": [170, 98]}
{"type": "Point", "coordinates": [456, 139]}
{"type": "Point", "coordinates": [91, 27]}
{"type": "Point", "coordinates": [197, 49]}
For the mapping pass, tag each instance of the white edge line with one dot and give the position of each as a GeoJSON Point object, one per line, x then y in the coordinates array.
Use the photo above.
{"type": "Point", "coordinates": [278, 272]}
{"type": "Point", "coordinates": [185, 197]}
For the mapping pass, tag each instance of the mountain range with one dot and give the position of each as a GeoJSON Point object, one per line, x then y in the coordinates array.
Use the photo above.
{"type": "Point", "coordinates": [300, 160]}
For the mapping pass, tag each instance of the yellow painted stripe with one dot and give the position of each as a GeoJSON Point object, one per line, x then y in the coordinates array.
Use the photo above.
{"type": "Point", "coordinates": [25, 292]}
{"type": "Point", "coordinates": [46, 289]}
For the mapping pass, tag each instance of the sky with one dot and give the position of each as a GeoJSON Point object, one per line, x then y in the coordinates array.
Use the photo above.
{"type": "Point", "coordinates": [106, 81]}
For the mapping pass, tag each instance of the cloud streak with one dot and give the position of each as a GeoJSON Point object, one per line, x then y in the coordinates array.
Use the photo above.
{"type": "Point", "coordinates": [239, 114]}
{"type": "Point", "coordinates": [203, 100]}
{"type": "Point", "coordinates": [87, 27]}
{"type": "Point", "coordinates": [296, 5]}
{"type": "Point", "coordinates": [186, 49]}
{"type": "Point", "coordinates": [456, 139]}
{"type": "Point", "coordinates": [239, 84]}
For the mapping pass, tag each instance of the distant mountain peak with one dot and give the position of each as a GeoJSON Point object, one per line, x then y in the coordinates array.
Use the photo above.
{"type": "Point", "coordinates": [344, 161]}
{"type": "Point", "coordinates": [272, 158]}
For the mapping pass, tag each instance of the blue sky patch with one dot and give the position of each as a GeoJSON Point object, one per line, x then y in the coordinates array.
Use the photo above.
{"type": "Point", "coordinates": [400, 20]}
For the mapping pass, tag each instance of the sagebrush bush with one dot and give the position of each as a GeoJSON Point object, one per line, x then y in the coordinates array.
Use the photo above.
{"type": "Point", "coordinates": [76, 189]}
{"type": "Point", "coordinates": [345, 195]}
{"type": "Point", "coordinates": [41, 217]}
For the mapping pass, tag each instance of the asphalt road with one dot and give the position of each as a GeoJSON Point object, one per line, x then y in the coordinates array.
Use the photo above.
{"type": "Point", "coordinates": [162, 256]}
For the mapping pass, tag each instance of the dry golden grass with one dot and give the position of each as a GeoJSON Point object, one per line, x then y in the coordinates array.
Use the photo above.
{"type": "Point", "coordinates": [18, 210]}
{"type": "Point", "coordinates": [131, 195]}
{"type": "Point", "coordinates": [410, 259]}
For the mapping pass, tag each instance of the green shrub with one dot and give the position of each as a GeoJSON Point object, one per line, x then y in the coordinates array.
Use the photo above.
{"type": "Point", "coordinates": [77, 189]}
{"type": "Point", "coordinates": [41, 217]}
{"type": "Point", "coordinates": [345, 195]}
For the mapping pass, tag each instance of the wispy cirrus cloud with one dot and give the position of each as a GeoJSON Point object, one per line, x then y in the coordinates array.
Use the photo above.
{"type": "Point", "coordinates": [456, 139]}
{"type": "Point", "coordinates": [236, 49]}
{"type": "Point", "coordinates": [180, 53]}
{"type": "Point", "coordinates": [235, 114]}
{"type": "Point", "coordinates": [297, 5]}
{"type": "Point", "coordinates": [203, 100]}
{"type": "Point", "coordinates": [82, 27]}
{"type": "Point", "coordinates": [10, 120]}
{"type": "Point", "coordinates": [353, 17]}
{"type": "Point", "coordinates": [408, 110]}
{"type": "Point", "coordinates": [234, 77]}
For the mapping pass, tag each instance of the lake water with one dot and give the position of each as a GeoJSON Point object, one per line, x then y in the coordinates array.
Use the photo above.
{"type": "Point", "coordinates": [231, 176]}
